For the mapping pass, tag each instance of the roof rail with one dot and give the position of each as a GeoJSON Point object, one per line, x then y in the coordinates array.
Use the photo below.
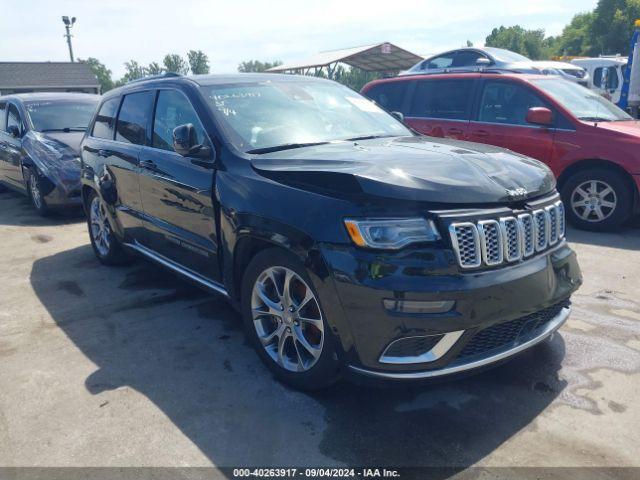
{"type": "Point", "coordinates": [155, 77]}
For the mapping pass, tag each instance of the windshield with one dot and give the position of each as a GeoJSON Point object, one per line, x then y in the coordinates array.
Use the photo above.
{"type": "Point", "coordinates": [289, 114]}
{"type": "Point", "coordinates": [584, 104]}
{"type": "Point", "coordinates": [49, 115]}
{"type": "Point", "coordinates": [506, 55]}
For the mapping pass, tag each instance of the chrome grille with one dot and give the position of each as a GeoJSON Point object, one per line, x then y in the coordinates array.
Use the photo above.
{"type": "Point", "coordinates": [541, 224]}
{"type": "Point", "coordinates": [493, 242]}
{"type": "Point", "coordinates": [526, 225]}
{"type": "Point", "coordinates": [561, 219]}
{"type": "Point", "coordinates": [512, 238]}
{"type": "Point", "coordinates": [466, 243]}
{"type": "Point", "coordinates": [490, 242]}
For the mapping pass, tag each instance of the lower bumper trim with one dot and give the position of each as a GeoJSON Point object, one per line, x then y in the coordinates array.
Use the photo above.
{"type": "Point", "coordinates": [538, 337]}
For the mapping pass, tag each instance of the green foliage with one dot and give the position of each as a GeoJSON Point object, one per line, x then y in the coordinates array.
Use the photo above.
{"type": "Point", "coordinates": [257, 66]}
{"type": "Point", "coordinates": [175, 63]}
{"type": "Point", "coordinates": [198, 62]}
{"type": "Point", "coordinates": [604, 31]}
{"type": "Point", "coordinates": [612, 26]}
{"type": "Point", "coordinates": [154, 68]}
{"type": "Point", "coordinates": [529, 43]}
{"type": "Point", "coordinates": [354, 78]}
{"type": "Point", "coordinates": [102, 73]}
{"type": "Point", "coordinates": [133, 71]}
{"type": "Point", "coordinates": [575, 38]}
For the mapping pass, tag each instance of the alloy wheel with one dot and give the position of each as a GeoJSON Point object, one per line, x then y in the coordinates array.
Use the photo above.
{"type": "Point", "coordinates": [100, 229]}
{"type": "Point", "coordinates": [594, 201]}
{"type": "Point", "coordinates": [287, 318]}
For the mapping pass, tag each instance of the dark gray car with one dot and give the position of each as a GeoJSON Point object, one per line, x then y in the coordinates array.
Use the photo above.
{"type": "Point", "coordinates": [40, 135]}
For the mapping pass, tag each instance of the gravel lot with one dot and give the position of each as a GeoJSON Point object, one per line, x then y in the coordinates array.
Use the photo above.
{"type": "Point", "coordinates": [131, 366]}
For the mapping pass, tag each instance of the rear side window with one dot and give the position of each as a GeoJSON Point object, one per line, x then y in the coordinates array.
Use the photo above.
{"type": "Point", "coordinates": [3, 116]}
{"type": "Point", "coordinates": [506, 102]}
{"type": "Point", "coordinates": [134, 118]}
{"type": "Point", "coordinates": [173, 109]}
{"type": "Point", "coordinates": [106, 119]}
{"type": "Point", "coordinates": [388, 95]}
{"type": "Point", "coordinates": [443, 61]}
{"type": "Point", "coordinates": [447, 99]}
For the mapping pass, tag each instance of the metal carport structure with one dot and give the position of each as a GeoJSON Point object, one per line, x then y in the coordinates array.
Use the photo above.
{"type": "Point", "coordinates": [380, 57]}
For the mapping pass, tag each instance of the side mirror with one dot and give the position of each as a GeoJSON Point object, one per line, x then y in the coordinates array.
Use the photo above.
{"type": "Point", "coordinates": [398, 116]}
{"type": "Point", "coordinates": [483, 62]}
{"type": "Point", "coordinates": [540, 116]}
{"type": "Point", "coordinates": [14, 131]}
{"type": "Point", "coordinates": [184, 139]}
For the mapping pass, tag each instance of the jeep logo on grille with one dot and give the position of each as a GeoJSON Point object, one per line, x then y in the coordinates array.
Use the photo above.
{"type": "Point", "coordinates": [517, 193]}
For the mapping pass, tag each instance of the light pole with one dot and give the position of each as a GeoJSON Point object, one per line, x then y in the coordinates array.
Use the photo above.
{"type": "Point", "coordinates": [67, 25]}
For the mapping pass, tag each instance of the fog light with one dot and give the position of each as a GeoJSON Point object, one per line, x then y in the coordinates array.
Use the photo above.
{"type": "Point", "coordinates": [416, 306]}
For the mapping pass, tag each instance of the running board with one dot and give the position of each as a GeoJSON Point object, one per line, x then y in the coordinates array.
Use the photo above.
{"type": "Point", "coordinates": [179, 269]}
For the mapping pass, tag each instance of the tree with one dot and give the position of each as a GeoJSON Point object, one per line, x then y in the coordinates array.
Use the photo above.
{"type": "Point", "coordinates": [354, 78]}
{"type": "Point", "coordinates": [155, 68]}
{"type": "Point", "coordinates": [133, 71]}
{"type": "Point", "coordinates": [175, 63]}
{"type": "Point", "coordinates": [198, 62]}
{"type": "Point", "coordinates": [102, 73]}
{"type": "Point", "coordinates": [257, 66]}
{"type": "Point", "coordinates": [529, 43]}
{"type": "Point", "coordinates": [612, 26]}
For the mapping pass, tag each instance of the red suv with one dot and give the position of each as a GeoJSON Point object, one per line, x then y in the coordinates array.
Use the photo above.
{"type": "Point", "coordinates": [591, 145]}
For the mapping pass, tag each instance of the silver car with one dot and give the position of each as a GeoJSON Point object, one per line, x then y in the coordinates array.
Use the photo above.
{"type": "Point", "coordinates": [474, 58]}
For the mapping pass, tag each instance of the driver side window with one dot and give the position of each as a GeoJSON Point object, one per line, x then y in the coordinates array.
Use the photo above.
{"type": "Point", "coordinates": [174, 109]}
{"type": "Point", "coordinates": [13, 119]}
{"type": "Point", "coordinates": [507, 103]}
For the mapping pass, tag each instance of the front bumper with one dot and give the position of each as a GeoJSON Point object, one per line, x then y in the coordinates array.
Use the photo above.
{"type": "Point", "coordinates": [494, 356]}
{"type": "Point", "coordinates": [482, 299]}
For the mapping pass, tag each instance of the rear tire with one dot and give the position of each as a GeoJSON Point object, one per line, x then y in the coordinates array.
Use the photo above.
{"type": "Point", "coordinates": [106, 246]}
{"type": "Point", "coordinates": [292, 336]}
{"type": "Point", "coordinates": [597, 199]}
{"type": "Point", "coordinates": [34, 189]}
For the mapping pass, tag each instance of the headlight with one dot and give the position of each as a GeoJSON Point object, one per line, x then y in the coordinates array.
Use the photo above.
{"type": "Point", "coordinates": [391, 233]}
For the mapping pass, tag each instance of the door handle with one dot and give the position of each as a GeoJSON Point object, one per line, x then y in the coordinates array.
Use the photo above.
{"type": "Point", "coordinates": [481, 133]}
{"type": "Point", "coordinates": [455, 131]}
{"type": "Point", "coordinates": [103, 153]}
{"type": "Point", "coordinates": [147, 164]}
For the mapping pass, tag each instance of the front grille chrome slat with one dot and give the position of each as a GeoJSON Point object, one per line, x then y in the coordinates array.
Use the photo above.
{"type": "Point", "coordinates": [490, 242]}
{"type": "Point", "coordinates": [493, 242]}
{"type": "Point", "coordinates": [466, 243]}
{"type": "Point", "coordinates": [511, 238]}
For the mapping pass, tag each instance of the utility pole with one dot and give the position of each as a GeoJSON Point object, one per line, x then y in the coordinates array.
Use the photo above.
{"type": "Point", "coordinates": [68, 24]}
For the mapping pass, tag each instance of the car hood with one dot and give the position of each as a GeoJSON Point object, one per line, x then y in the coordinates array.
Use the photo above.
{"type": "Point", "coordinates": [412, 168]}
{"type": "Point", "coordinates": [630, 127]}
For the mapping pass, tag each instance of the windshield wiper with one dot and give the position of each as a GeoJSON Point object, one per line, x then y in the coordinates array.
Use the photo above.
{"type": "Point", "coordinates": [368, 137]}
{"type": "Point", "coordinates": [285, 146]}
{"type": "Point", "coordinates": [594, 119]}
{"type": "Point", "coordinates": [65, 129]}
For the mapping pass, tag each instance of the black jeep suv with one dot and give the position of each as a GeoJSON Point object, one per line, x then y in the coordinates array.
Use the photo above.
{"type": "Point", "coordinates": [349, 243]}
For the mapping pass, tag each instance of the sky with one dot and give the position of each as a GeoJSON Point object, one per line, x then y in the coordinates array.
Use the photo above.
{"type": "Point", "coordinates": [115, 31]}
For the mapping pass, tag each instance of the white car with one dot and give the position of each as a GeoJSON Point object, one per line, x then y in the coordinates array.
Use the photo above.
{"type": "Point", "coordinates": [568, 71]}
{"type": "Point", "coordinates": [606, 74]}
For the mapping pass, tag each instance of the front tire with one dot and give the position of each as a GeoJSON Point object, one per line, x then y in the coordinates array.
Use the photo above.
{"type": "Point", "coordinates": [284, 321]}
{"type": "Point", "coordinates": [597, 199]}
{"type": "Point", "coordinates": [106, 246]}
{"type": "Point", "coordinates": [34, 188]}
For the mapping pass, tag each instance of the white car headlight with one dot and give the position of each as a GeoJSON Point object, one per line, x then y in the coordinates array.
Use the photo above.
{"type": "Point", "coordinates": [391, 233]}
